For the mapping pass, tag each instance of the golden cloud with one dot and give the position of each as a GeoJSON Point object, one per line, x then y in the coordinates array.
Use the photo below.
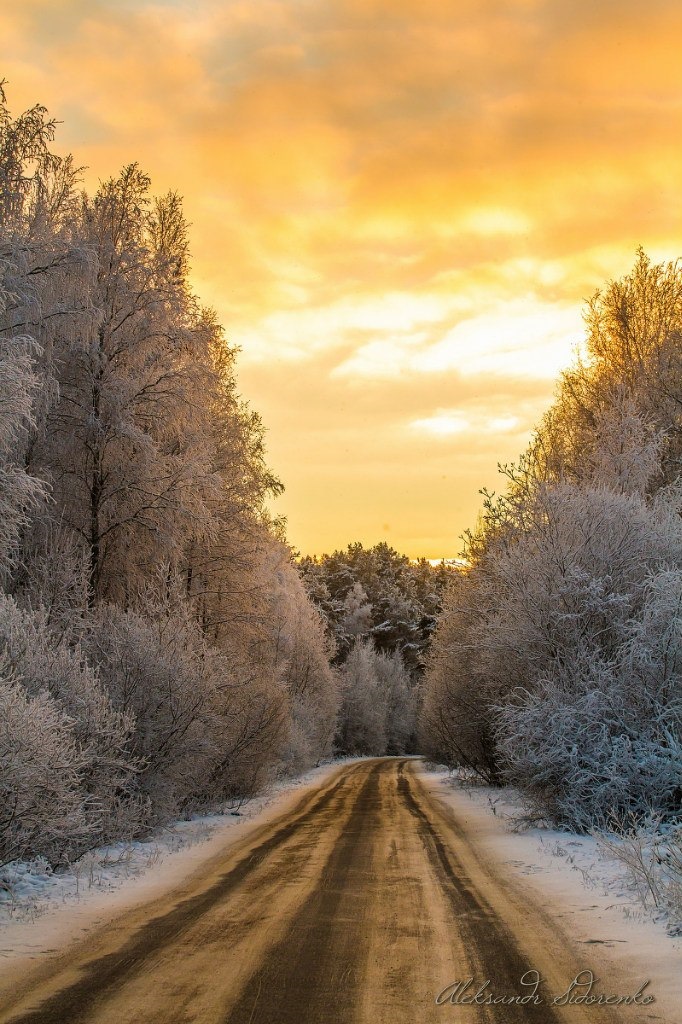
{"type": "Point", "coordinates": [397, 207]}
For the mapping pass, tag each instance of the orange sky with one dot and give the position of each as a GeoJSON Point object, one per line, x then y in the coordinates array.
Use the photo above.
{"type": "Point", "coordinates": [398, 207]}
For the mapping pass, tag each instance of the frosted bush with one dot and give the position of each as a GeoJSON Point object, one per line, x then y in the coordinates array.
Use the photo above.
{"type": "Point", "coordinates": [586, 755]}
{"type": "Point", "coordinates": [41, 771]}
{"type": "Point", "coordinates": [651, 853]}
{"type": "Point", "coordinates": [155, 675]}
{"type": "Point", "coordinates": [456, 716]}
{"type": "Point", "coordinates": [43, 663]}
{"type": "Point", "coordinates": [248, 731]}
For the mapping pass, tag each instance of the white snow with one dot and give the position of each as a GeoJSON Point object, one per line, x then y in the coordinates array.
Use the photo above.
{"type": "Point", "coordinates": [586, 892]}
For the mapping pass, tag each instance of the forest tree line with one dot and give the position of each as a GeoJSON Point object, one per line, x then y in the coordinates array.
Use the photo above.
{"type": "Point", "coordinates": [381, 608]}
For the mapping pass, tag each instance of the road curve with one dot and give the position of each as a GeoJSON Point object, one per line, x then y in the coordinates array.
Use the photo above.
{"type": "Point", "coordinates": [360, 903]}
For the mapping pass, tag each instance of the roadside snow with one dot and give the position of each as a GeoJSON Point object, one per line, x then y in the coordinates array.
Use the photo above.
{"type": "Point", "coordinates": [43, 911]}
{"type": "Point", "coordinates": [587, 892]}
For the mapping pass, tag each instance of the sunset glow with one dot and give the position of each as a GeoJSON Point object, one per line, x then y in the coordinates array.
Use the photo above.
{"type": "Point", "coordinates": [397, 210]}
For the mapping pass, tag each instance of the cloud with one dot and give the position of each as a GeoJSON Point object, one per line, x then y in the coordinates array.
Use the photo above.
{"type": "Point", "coordinates": [397, 208]}
{"type": "Point", "coordinates": [519, 337]}
{"type": "Point", "coordinates": [446, 422]}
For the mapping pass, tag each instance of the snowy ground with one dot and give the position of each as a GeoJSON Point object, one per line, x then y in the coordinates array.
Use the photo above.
{"type": "Point", "coordinates": [587, 893]}
{"type": "Point", "coordinates": [41, 912]}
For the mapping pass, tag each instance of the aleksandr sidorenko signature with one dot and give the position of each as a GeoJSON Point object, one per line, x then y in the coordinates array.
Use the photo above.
{"type": "Point", "coordinates": [580, 992]}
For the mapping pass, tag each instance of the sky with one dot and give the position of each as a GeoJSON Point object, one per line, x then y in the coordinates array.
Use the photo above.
{"type": "Point", "coordinates": [398, 208]}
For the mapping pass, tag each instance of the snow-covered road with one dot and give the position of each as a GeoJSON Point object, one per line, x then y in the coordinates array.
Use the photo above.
{"type": "Point", "coordinates": [361, 901]}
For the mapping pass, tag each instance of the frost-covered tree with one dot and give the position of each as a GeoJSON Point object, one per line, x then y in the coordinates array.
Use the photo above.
{"type": "Point", "coordinates": [378, 702]}
{"type": "Point", "coordinates": [156, 624]}
{"type": "Point", "coordinates": [230, 571]}
{"type": "Point", "coordinates": [356, 613]}
{"type": "Point", "coordinates": [26, 171]}
{"type": "Point", "coordinates": [19, 490]}
{"type": "Point", "coordinates": [364, 709]}
{"type": "Point", "coordinates": [378, 594]}
{"type": "Point", "coordinates": [631, 370]}
{"type": "Point", "coordinates": [400, 693]}
{"type": "Point", "coordinates": [125, 445]}
{"type": "Point", "coordinates": [555, 664]}
{"type": "Point", "coordinates": [301, 653]}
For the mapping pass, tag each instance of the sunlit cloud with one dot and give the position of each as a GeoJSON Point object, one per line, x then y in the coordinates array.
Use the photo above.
{"type": "Point", "coordinates": [448, 422]}
{"type": "Point", "coordinates": [301, 332]}
{"type": "Point", "coordinates": [443, 424]}
{"type": "Point", "coordinates": [494, 222]}
{"type": "Point", "coordinates": [397, 210]}
{"type": "Point", "coordinates": [504, 424]}
{"type": "Point", "coordinates": [521, 337]}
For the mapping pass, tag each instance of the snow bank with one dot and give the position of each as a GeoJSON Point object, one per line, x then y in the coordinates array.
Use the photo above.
{"type": "Point", "coordinates": [588, 893]}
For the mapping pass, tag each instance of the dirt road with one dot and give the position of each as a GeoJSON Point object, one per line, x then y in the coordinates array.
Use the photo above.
{"type": "Point", "coordinates": [361, 903]}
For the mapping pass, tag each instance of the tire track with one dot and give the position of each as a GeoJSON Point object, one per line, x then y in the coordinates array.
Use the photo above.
{"type": "Point", "coordinates": [74, 1003]}
{"type": "Point", "coordinates": [349, 908]}
{"type": "Point", "coordinates": [498, 952]}
{"type": "Point", "coordinates": [325, 956]}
